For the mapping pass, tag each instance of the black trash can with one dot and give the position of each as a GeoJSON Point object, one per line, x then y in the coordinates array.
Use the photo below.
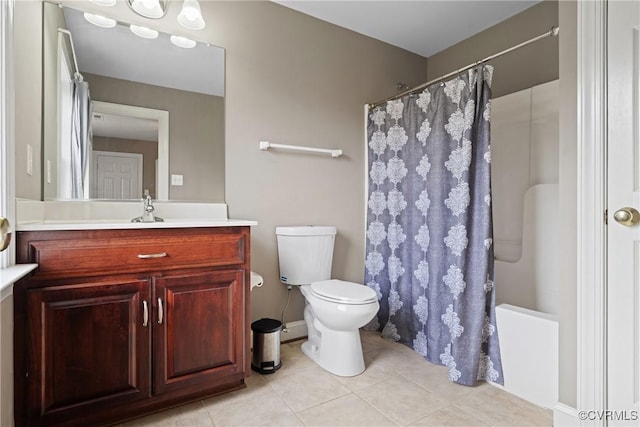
{"type": "Point", "coordinates": [266, 346]}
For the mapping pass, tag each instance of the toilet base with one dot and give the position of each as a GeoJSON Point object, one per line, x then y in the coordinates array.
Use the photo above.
{"type": "Point", "coordinates": [339, 352]}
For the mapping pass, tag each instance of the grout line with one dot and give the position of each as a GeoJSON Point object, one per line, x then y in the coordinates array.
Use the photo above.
{"type": "Point", "coordinates": [374, 408]}
{"type": "Point", "coordinates": [213, 423]}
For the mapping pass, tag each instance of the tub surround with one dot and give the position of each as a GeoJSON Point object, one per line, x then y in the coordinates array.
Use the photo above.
{"type": "Point", "coordinates": [532, 281]}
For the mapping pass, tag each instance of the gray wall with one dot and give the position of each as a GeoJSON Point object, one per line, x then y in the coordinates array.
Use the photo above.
{"type": "Point", "coordinates": [28, 95]}
{"type": "Point", "coordinates": [292, 79]}
{"type": "Point", "coordinates": [529, 66]}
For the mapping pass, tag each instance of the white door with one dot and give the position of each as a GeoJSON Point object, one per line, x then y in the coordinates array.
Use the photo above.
{"type": "Point", "coordinates": [623, 284]}
{"type": "Point", "coordinates": [116, 175]}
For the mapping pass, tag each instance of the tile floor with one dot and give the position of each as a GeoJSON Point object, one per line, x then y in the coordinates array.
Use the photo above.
{"type": "Point", "coordinates": [398, 388]}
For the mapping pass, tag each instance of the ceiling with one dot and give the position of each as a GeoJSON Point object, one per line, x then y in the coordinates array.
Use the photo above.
{"type": "Point", "coordinates": [425, 27]}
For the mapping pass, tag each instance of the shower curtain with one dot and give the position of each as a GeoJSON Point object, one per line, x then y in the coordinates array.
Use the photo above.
{"type": "Point", "coordinates": [429, 230]}
{"type": "Point", "coordinates": [80, 139]}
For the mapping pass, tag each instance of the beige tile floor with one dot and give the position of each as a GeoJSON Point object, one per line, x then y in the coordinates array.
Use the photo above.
{"type": "Point", "coordinates": [398, 388]}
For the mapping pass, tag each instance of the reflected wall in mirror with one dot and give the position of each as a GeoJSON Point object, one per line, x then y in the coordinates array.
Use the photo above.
{"type": "Point", "coordinates": [125, 72]}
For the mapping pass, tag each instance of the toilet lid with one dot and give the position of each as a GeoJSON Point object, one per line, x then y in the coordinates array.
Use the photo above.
{"type": "Point", "coordinates": [344, 292]}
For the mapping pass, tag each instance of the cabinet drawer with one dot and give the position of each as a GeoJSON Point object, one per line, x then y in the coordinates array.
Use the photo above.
{"type": "Point", "coordinates": [100, 256]}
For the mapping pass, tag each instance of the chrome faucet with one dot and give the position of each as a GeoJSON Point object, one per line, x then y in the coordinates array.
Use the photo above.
{"type": "Point", "coordinates": [147, 214]}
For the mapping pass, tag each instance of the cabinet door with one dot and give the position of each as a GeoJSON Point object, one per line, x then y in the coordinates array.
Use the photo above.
{"type": "Point", "coordinates": [88, 349]}
{"type": "Point", "coordinates": [198, 335]}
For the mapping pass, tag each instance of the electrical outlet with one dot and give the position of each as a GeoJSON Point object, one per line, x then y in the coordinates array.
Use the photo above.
{"type": "Point", "coordinates": [176, 179]}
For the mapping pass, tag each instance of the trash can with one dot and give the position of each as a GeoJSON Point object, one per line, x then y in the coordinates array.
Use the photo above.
{"type": "Point", "coordinates": [266, 346]}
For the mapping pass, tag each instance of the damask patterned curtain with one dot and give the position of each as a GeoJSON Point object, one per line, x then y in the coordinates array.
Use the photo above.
{"type": "Point", "coordinates": [429, 228]}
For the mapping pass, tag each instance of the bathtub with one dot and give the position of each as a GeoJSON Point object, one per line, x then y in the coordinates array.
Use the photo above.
{"type": "Point", "coordinates": [529, 351]}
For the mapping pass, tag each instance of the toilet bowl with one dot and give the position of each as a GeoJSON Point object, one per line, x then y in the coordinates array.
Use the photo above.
{"type": "Point", "coordinates": [334, 309]}
{"type": "Point", "coordinates": [334, 312]}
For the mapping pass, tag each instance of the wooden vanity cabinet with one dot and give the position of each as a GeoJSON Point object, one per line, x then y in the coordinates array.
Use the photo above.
{"type": "Point", "coordinates": [117, 323]}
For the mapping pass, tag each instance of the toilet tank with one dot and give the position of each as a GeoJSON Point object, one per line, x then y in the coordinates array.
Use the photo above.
{"type": "Point", "coordinates": [305, 253]}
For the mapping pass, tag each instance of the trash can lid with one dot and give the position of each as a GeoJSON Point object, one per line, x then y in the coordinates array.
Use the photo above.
{"type": "Point", "coordinates": [266, 325]}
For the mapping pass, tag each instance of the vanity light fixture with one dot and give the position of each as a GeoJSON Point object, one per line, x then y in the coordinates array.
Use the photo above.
{"type": "Point", "coordinates": [183, 42]}
{"type": "Point", "coordinates": [149, 8]}
{"type": "Point", "coordinates": [100, 20]}
{"type": "Point", "coordinates": [190, 15]}
{"type": "Point", "coordinates": [144, 32]}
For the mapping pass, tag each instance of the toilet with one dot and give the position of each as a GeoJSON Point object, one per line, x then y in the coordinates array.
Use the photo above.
{"type": "Point", "coordinates": [335, 310]}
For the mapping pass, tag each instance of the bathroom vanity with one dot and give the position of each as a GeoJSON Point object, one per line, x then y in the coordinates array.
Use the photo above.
{"type": "Point", "coordinates": [119, 322]}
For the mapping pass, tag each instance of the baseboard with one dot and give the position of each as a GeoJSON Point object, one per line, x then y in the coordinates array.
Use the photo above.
{"type": "Point", "coordinates": [565, 416]}
{"type": "Point", "coordinates": [294, 331]}
{"type": "Point", "coordinates": [496, 385]}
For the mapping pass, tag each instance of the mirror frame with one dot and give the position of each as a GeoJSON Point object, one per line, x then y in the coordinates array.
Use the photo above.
{"type": "Point", "coordinates": [162, 171]}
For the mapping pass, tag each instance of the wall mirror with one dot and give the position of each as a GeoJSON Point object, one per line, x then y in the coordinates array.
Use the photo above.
{"type": "Point", "coordinates": [157, 113]}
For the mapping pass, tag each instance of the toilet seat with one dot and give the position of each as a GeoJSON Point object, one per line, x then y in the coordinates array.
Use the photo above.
{"type": "Point", "coordinates": [342, 292]}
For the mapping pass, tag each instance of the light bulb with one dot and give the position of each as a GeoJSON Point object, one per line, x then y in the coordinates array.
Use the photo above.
{"type": "Point", "coordinates": [148, 8]}
{"type": "Point", "coordinates": [190, 15]}
{"type": "Point", "coordinates": [144, 32]}
{"type": "Point", "coordinates": [183, 42]}
{"type": "Point", "coordinates": [100, 20]}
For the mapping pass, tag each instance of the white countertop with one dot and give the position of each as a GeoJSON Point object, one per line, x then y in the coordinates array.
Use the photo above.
{"type": "Point", "coordinates": [10, 275]}
{"type": "Point", "coordinates": [123, 224]}
{"type": "Point", "coordinates": [34, 215]}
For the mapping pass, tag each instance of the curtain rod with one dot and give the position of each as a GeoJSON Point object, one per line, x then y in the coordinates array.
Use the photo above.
{"type": "Point", "coordinates": [553, 32]}
{"type": "Point", "coordinates": [76, 74]}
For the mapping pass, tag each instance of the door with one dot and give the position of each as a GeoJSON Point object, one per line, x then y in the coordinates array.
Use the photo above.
{"type": "Point", "coordinates": [198, 329]}
{"type": "Point", "coordinates": [89, 349]}
{"type": "Point", "coordinates": [623, 284]}
{"type": "Point", "coordinates": [116, 175]}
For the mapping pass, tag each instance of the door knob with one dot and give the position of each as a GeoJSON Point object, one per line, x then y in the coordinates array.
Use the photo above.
{"type": "Point", "coordinates": [5, 233]}
{"type": "Point", "coordinates": [627, 216]}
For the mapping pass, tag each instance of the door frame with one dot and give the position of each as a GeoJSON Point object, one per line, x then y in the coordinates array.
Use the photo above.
{"type": "Point", "coordinates": [162, 116]}
{"type": "Point", "coordinates": [591, 205]}
{"type": "Point", "coordinates": [7, 119]}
